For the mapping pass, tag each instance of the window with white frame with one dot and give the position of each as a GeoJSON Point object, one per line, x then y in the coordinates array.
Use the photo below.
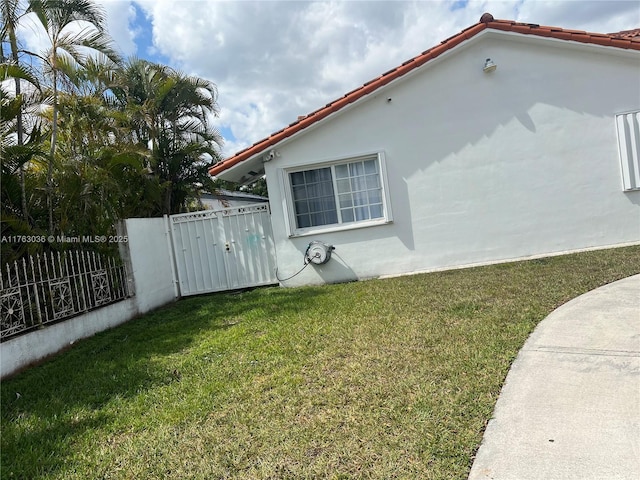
{"type": "Point", "coordinates": [347, 192]}
{"type": "Point", "coordinates": [628, 126]}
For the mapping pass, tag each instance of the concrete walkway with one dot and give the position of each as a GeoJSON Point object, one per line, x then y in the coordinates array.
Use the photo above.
{"type": "Point", "coordinates": [570, 406]}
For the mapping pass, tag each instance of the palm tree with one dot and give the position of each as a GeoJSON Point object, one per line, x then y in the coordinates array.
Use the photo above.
{"type": "Point", "coordinates": [193, 143]}
{"type": "Point", "coordinates": [136, 93]}
{"type": "Point", "coordinates": [17, 145]}
{"type": "Point", "coordinates": [11, 12]}
{"type": "Point", "coordinates": [67, 49]}
{"type": "Point", "coordinates": [101, 171]}
{"type": "Point", "coordinates": [190, 98]}
{"type": "Point", "coordinates": [169, 114]}
{"type": "Point", "coordinates": [183, 169]}
{"type": "Point", "coordinates": [13, 158]}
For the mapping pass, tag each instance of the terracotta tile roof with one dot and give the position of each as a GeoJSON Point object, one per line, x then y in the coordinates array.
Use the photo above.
{"type": "Point", "coordinates": [629, 34]}
{"type": "Point", "coordinates": [629, 39]}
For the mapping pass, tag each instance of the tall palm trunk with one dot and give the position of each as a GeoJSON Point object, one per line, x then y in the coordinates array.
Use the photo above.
{"type": "Point", "coordinates": [52, 152]}
{"type": "Point", "coordinates": [20, 133]}
{"type": "Point", "coordinates": [11, 17]}
{"type": "Point", "coordinates": [23, 187]}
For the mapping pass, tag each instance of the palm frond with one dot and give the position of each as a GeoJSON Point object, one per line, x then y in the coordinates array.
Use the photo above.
{"type": "Point", "coordinates": [22, 72]}
{"type": "Point", "coordinates": [55, 15]}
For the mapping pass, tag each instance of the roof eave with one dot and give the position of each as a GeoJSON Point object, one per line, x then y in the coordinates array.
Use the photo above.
{"type": "Point", "coordinates": [245, 172]}
{"type": "Point", "coordinates": [487, 23]}
{"type": "Point", "coordinates": [352, 97]}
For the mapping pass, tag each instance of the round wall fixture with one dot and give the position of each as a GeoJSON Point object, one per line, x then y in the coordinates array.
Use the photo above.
{"type": "Point", "coordinates": [318, 253]}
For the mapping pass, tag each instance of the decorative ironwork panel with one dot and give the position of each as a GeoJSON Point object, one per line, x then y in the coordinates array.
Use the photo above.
{"type": "Point", "coordinates": [247, 209]}
{"type": "Point", "coordinates": [61, 298]}
{"type": "Point", "coordinates": [188, 217]}
{"type": "Point", "coordinates": [37, 290]}
{"type": "Point", "coordinates": [11, 312]}
{"type": "Point", "coordinates": [100, 285]}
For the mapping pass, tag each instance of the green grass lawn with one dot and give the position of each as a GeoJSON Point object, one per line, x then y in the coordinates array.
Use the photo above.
{"type": "Point", "coordinates": [392, 378]}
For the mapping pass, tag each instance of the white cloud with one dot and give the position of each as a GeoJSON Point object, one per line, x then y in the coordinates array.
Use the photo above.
{"type": "Point", "coordinates": [273, 61]}
{"type": "Point", "coordinates": [120, 14]}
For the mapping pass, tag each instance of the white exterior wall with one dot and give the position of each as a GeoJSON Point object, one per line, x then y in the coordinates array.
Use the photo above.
{"type": "Point", "coordinates": [151, 257]}
{"type": "Point", "coordinates": [154, 287]}
{"type": "Point", "coordinates": [481, 167]}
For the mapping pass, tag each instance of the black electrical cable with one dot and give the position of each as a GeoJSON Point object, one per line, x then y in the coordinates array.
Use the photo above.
{"type": "Point", "coordinates": [307, 262]}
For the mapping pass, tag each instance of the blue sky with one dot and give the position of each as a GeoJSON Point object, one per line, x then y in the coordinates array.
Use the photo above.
{"type": "Point", "coordinates": [144, 36]}
{"type": "Point", "coordinates": [275, 60]}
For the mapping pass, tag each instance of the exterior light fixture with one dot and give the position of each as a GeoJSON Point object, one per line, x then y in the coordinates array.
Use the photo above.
{"type": "Point", "coordinates": [270, 156]}
{"type": "Point", "coordinates": [489, 66]}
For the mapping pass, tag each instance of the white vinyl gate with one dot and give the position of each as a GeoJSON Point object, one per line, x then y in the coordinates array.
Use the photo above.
{"type": "Point", "coordinates": [223, 250]}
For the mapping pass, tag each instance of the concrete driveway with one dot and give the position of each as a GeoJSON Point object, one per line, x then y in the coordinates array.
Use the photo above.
{"type": "Point", "coordinates": [570, 406]}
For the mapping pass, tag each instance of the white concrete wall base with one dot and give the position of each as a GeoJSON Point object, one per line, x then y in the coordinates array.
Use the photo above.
{"type": "Point", "coordinates": [151, 279]}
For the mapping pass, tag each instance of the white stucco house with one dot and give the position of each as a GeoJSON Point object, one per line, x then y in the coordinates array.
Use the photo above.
{"type": "Point", "coordinates": [452, 159]}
